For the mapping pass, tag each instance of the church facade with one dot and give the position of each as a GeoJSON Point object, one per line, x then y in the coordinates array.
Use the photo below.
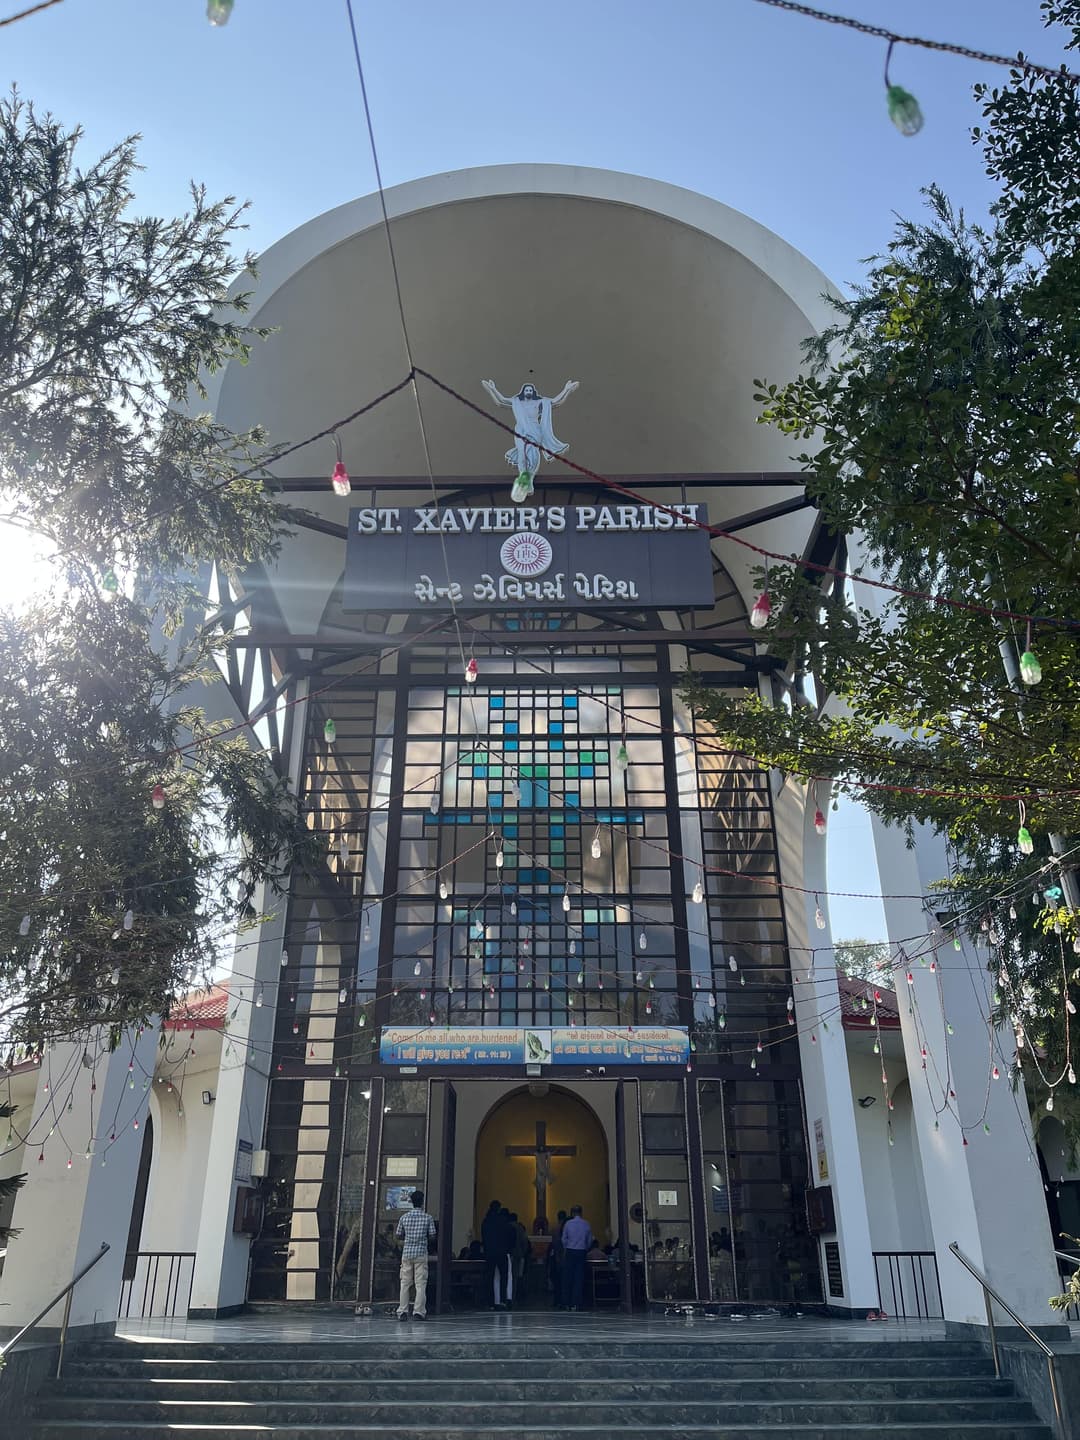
{"type": "Point", "coordinates": [567, 947]}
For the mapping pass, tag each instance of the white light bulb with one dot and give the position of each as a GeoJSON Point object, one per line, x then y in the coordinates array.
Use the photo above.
{"type": "Point", "coordinates": [129, 919]}
{"type": "Point", "coordinates": [566, 902]}
{"type": "Point", "coordinates": [24, 925]}
{"type": "Point", "coordinates": [500, 859]}
{"type": "Point", "coordinates": [284, 958]}
{"type": "Point", "coordinates": [342, 996]}
{"type": "Point", "coordinates": [259, 1000]}
{"type": "Point", "coordinates": [416, 968]}
{"type": "Point", "coordinates": [595, 851]}
{"type": "Point", "coordinates": [433, 803]}
{"type": "Point", "coordinates": [732, 963]}
{"type": "Point", "coordinates": [819, 918]}
{"type": "Point", "coordinates": [642, 941]}
{"type": "Point", "coordinates": [698, 894]}
{"type": "Point", "coordinates": [443, 891]}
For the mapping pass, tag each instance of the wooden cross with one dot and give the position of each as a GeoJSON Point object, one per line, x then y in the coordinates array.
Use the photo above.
{"type": "Point", "coordinates": [542, 1153]}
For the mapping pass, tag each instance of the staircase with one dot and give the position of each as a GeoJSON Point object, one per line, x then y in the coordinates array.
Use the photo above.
{"type": "Point", "coordinates": [677, 1385]}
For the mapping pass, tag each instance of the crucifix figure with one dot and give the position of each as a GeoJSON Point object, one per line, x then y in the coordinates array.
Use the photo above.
{"type": "Point", "coordinates": [542, 1153]}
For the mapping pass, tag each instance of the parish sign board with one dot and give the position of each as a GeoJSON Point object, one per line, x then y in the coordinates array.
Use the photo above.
{"type": "Point", "coordinates": [567, 557]}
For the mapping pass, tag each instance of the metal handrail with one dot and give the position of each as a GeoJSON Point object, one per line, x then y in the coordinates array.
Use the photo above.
{"type": "Point", "coordinates": [1073, 1259]}
{"type": "Point", "coordinates": [990, 1293]}
{"type": "Point", "coordinates": [67, 1290]}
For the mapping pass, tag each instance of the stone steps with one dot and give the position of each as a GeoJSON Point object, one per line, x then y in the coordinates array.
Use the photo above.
{"type": "Point", "coordinates": [946, 1430]}
{"type": "Point", "coordinates": [320, 1365]}
{"type": "Point", "coordinates": [414, 1385]}
{"type": "Point", "coordinates": [247, 1390]}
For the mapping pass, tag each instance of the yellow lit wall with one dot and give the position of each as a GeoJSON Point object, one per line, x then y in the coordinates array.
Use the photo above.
{"type": "Point", "coordinates": [580, 1179]}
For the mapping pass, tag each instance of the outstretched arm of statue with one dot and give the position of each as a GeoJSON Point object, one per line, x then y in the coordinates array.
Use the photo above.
{"type": "Point", "coordinates": [489, 386]}
{"type": "Point", "coordinates": [567, 389]}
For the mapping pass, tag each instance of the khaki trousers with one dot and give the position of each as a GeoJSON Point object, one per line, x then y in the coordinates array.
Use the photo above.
{"type": "Point", "coordinates": [413, 1272]}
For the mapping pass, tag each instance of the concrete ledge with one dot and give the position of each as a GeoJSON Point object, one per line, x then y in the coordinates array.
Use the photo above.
{"type": "Point", "coordinates": [223, 1312]}
{"type": "Point", "coordinates": [24, 1372]}
{"type": "Point", "coordinates": [966, 1330]}
{"type": "Point", "coordinates": [1025, 1365]}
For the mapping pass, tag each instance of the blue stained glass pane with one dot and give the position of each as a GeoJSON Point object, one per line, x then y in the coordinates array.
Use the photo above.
{"type": "Point", "coordinates": [510, 744]}
{"type": "Point", "coordinates": [556, 727]}
{"type": "Point", "coordinates": [542, 796]}
{"type": "Point", "coordinates": [509, 830]}
{"type": "Point", "coordinates": [497, 702]}
{"type": "Point", "coordinates": [511, 727]}
{"type": "Point", "coordinates": [558, 830]}
{"type": "Point", "coordinates": [479, 771]}
{"type": "Point", "coordinates": [557, 745]}
{"type": "Point", "coordinates": [570, 702]}
{"type": "Point", "coordinates": [495, 800]}
{"type": "Point", "coordinates": [573, 799]}
{"type": "Point", "coordinates": [587, 771]}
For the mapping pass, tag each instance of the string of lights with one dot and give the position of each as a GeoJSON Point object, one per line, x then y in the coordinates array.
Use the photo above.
{"type": "Point", "coordinates": [1013, 62]}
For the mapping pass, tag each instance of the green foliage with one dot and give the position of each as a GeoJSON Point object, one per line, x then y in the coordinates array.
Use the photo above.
{"type": "Point", "coordinates": [10, 1184]}
{"type": "Point", "coordinates": [941, 422]}
{"type": "Point", "coordinates": [107, 322]}
{"type": "Point", "coordinates": [864, 960]}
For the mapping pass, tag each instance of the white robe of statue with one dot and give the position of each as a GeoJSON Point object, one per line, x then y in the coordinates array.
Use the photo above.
{"type": "Point", "coordinates": [532, 425]}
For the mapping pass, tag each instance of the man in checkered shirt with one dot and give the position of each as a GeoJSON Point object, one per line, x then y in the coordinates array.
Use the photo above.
{"type": "Point", "coordinates": [415, 1227]}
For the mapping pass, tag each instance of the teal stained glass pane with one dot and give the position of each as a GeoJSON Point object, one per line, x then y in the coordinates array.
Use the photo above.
{"type": "Point", "coordinates": [541, 771]}
{"type": "Point", "coordinates": [571, 769]}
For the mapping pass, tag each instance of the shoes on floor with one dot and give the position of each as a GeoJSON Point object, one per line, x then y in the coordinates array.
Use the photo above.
{"type": "Point", "coordinates": [403, 1316]}
{"type": "Point", "coordinates": [498, 1307]}
{"type": "Point", "coordinates": [417, 1316]}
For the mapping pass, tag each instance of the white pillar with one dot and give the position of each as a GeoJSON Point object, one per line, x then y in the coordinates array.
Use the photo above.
{"type": "Point", "coordinates": [986, 1196]}
{"type": "Point", "coordinates": [823, 1054]}
{"type": "Point", "coordinates": [66, 1214]}
{"type": "Point", "coordinates": [221, 1256]}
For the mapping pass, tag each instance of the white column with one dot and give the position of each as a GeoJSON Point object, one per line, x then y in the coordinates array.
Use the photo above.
{"type": "Point", "coordinates": [66, 1214]}
{"type": "Point", "coordinates": [823, 1055]}
{"type": "Point", "coordinates": [221, 1256]}
{"type": "Point", "coordinates": [986, 1196]}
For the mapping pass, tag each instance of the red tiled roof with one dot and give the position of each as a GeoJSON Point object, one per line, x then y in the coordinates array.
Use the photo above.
{"type": "Point", "coordinates": [854, 1017]}
{"type": "Point", "coordinates": [201, 1010]}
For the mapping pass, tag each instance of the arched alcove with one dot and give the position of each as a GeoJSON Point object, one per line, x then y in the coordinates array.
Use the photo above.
{"type": "Point", "coordinates": [531, 1119]}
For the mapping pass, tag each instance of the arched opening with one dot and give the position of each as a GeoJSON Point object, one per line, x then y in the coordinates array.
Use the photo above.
{"type": "Point", "coordinates": [540, 1150]}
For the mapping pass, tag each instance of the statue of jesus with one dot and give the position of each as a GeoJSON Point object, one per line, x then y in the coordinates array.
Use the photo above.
{"type": "Point", "coordinates": [533, 433]}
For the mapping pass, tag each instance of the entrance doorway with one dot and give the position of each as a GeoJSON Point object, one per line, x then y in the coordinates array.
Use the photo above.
{"type": "Point", "coordinates": [540, 1150]}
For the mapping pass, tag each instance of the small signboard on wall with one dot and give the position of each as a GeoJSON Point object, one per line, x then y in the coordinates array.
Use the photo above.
{"type": "Point", "coordinates": [819, 1146]}
{"type": "Point", "coordinates": [242, 1173]}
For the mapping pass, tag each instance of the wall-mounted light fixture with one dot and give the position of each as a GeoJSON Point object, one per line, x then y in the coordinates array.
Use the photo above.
{"type": "Point", "coordinates": [208, 1097]}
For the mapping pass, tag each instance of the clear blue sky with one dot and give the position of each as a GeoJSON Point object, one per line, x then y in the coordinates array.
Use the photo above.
{"type": "Point", "coordinates": [778, 116]}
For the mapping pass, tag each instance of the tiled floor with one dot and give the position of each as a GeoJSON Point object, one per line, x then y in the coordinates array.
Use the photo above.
{"type": "Point", "coordinates": [485, 1329]}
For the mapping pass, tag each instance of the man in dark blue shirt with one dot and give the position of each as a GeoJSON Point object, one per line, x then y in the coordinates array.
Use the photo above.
{"type": "Point", "coordinates": [577, 1241]}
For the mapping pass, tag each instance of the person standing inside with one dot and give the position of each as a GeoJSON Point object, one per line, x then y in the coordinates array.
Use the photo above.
{"type": "Point", "coordinates": [495, 1237]}
{"type": "Point", "coordinates": [522, 1253]}
{"type": "Point", "coordinates": [577, 1241]}
{"type": "Point", "coordinates": [415, 1229]}
{"type": "Point", "coordinates": [555, 1260]}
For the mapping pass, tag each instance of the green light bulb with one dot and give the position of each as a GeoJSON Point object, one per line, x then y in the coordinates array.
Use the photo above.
{"type": "Point", "coordinates": [1030, 669]}
{"type": "Point", "coordinates": [622, 757]}
{"type": "Point", "coordinates": [218, 11]}
{"type": "Point", "coordinates": [1024, 841]}
{"type": "Point", "coordinates": [329, 731]}
{"type": "Point", "coordinates": [904, 110]}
